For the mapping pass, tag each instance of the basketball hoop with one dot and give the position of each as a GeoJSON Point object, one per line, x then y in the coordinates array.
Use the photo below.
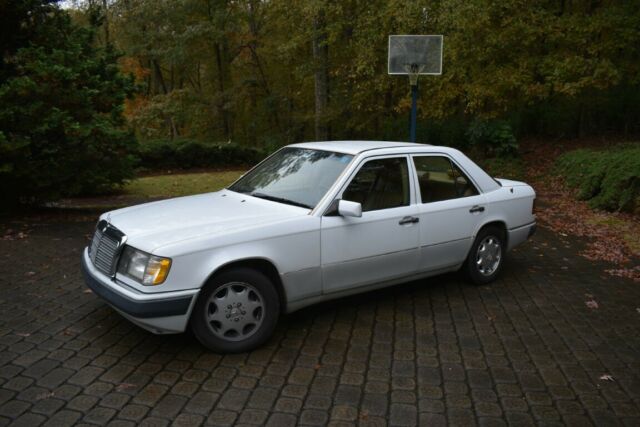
{"type": "Point", "coordinates": [414, 56]}
{"type": "Point", "coordinates": [413, 70]}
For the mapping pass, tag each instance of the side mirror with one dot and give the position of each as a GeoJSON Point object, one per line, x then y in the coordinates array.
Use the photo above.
{"type": "Point", "coordinates": [347, 208]}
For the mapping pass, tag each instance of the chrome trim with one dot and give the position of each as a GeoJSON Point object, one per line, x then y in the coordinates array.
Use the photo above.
{"type": "Point", "coordinates": [105, 228]}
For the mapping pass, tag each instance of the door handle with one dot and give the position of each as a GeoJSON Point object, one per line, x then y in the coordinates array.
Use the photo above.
{"type": "Point", "coordinates": [476, 209]}
{"type": "Point", "coordinates": [409, 220]}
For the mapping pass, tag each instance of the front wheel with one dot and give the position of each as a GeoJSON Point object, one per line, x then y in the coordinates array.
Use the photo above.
{"type": "Point", "coordinates": [486, 256]}
{"type": "Point", "coordinates": [236, 311]}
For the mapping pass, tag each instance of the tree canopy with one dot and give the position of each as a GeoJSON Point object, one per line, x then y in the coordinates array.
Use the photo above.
{"type": "Point", "coordinates": [269, 72]}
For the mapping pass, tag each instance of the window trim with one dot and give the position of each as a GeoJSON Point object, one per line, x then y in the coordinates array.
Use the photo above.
{"type": "Point", "coordinates": [410, 176]}
{"type": "Point", "coordinates": [454, 163]}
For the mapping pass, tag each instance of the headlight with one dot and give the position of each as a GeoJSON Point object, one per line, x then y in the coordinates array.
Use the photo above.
{"type": "Point", "coordinates": [143, 267]}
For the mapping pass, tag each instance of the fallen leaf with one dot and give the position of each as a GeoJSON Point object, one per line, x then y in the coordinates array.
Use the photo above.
{"type": "Point", "coordinates": [23, 334]}
{"type": "Point", "coordinates": [30, 273]}
{"type": "Point", "coordinates": [125, 386]}
{"type": "Point", "coordinates": [606, 377]}
{"type": "Point", "coordinates": [317, 366]}
{"type": "Point", "coordinates": [87, 291]}
{"type": "Point", "coordinates": [45, 395]}
{"type": "Point", "coordinates": [591, 304]}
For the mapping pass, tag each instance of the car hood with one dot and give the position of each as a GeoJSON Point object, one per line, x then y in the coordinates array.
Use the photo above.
{"type": "Point", "coordinates": [152, 225]}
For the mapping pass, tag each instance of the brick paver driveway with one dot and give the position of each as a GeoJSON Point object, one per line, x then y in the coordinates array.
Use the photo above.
{"type": "Point", "coordinates": [526, 350]}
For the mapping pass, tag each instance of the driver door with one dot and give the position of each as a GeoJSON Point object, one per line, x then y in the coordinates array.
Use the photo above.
{"type": "Point", "coordinates": [382, 244]}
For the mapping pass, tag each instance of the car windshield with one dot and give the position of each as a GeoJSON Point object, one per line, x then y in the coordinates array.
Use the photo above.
{"type": "Point", "coordinates": [295, 176]}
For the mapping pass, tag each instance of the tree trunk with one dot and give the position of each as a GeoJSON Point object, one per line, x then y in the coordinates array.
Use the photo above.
{"type": "Point", "coordinates": [105, 10]}
{"type": "Point", "coordinates": [321, 75]}
{"type": "Point", "coordinates": [221, 108]}
{"type": "Point", "coordinates": [160, 79]}
{"type": "Point", "coordinates": [253, 48]}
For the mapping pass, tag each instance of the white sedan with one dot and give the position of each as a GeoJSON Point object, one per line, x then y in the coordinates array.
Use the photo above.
{"type": "Point", "coordinates": [312, 222]}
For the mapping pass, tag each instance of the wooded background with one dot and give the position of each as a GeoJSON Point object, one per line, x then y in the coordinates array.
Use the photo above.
{"type": "Point", "coordinates": [267, 73]}
{"type": "Point", "coordinates": [93, 90]}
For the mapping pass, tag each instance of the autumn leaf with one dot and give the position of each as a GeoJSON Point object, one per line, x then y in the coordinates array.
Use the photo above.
{"type": "Point", "coordinates": [125, 386]}
{"type": "Point", "coordinates": [45, 395]}
{"type": "Point", "coordinates": [606, 377]}
{"type": "Point", "coordinates": [591, 304]}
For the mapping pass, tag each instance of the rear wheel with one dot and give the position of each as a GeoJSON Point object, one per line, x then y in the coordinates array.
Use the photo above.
{"type": "Point", "coordinates": [486, 256]}
{"type": "Point", "coordinates": [236, 311]}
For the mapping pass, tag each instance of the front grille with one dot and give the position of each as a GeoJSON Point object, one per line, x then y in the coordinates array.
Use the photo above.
{"type": "Point", "coordinates": [104, 248]}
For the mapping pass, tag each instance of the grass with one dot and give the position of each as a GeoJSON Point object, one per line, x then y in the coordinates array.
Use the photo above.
{"type": "Point", "coordinates": [180, 184]}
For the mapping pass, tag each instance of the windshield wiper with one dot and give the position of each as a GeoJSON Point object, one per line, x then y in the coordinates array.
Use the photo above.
{"type": "Point", "coordinates": [280, 200]}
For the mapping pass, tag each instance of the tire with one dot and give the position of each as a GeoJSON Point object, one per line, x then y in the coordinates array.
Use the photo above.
{"type": "Point", "coordinates": [481, 268]}
{"type": "Point", "coordinates": [236, 311]}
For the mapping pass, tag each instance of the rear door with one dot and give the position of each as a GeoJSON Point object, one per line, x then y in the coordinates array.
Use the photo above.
{"type": "Point", "coordinates": [450, 209]}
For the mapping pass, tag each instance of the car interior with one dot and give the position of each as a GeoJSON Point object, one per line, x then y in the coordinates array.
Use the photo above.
{"type": "Point", "coordinates": [380, 184]}
{"type": "Point", "coordinates": [439, 179]}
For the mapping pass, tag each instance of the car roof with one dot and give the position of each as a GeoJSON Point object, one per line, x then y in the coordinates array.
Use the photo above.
{"type": "Point", "coordinates": [480, 177]}
{"type": "Point", "coordinates": [357, 147]}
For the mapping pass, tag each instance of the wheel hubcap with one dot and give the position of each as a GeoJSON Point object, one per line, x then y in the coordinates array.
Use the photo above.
{"type": "Point", "coordinates": [235, 311]}
{"type": "Point", "coordinates": [489, 255]}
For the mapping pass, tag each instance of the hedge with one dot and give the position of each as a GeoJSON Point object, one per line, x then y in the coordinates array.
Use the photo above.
{"type": "Point", "coordinates": [186, 154]}
{"type": "Point", "coordinates": [609, 180]}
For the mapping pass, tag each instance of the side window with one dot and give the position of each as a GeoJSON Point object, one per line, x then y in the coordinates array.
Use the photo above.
{"type": "Point", "coordinates": [380, 184]}
{"type": "Point", "coordinates": [440, 179]}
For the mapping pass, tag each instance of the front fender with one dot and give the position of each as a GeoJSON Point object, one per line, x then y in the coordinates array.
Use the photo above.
{"type": "Point", "coordinates": [296, 257]}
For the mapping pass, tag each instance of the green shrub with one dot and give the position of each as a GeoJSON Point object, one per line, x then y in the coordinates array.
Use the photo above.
{"type": "Point", "coordinates": [504, 167]}
{"type": "Point", "coordinates": [607, 179]}
{"type": "Point", "coordinates": [62, 132]}
{"type": "Point", "coordinates": [188, 153]}
{"type": "Point", "coordinates": [493, 137]}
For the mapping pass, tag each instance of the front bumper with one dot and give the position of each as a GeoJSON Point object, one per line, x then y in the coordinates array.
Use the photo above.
{"type": "Point", "coordinates": [160, 313]}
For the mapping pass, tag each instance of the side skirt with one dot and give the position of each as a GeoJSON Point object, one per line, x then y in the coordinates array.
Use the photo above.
{"type": "Point", "coordinates": [297, 305]}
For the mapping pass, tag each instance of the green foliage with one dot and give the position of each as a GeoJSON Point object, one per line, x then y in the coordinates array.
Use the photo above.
{"type": "Point", "coordinates": [607, 179]}
{"type": "Point", "coordinates": [243, 71]}
{"type": "Point", "coordinates": [61, 124]}
{"type": "Point", "coordinates": [187, 153]}
{"type": "Point", "coordinates": [493, 137]}
{"type": "Point", "coordinates": [504, 167]}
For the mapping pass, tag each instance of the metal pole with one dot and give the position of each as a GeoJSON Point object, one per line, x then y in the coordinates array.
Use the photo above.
{"type": "Point", "coordinates": [414, 111]}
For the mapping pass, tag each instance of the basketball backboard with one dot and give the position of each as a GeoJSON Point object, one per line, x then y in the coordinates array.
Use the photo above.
{"type": "Point", "coordinates": [415, 54]}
